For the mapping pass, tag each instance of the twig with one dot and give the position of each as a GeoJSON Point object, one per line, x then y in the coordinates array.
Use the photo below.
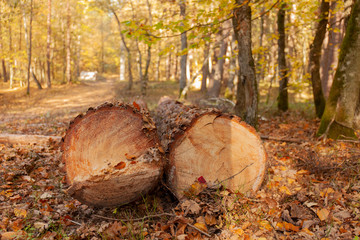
{"type": "Point", "coordinates": [136, 219]}
{"type": "Point", "coordinates": [199, 230]}
{"type": "Point", "coordinates": [75, 222]}
{"type": "Point", "coordinates": [348, 140]}
{"type": "Point", "coordinates": [216, 185]}
{"type": "Point", "coordinates": [291, 140]}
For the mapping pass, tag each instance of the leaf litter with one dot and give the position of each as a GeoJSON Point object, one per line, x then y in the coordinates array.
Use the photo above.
{"type": "Point", "coordinates": [311, 191]}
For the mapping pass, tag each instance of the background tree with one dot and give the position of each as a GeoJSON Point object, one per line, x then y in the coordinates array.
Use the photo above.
{"type": "Point", "coordinates": [314, 59]}
{"type": "Point", "coordinates": [247, 94]}
{"type": "Point", "coordinates": [342, 112]}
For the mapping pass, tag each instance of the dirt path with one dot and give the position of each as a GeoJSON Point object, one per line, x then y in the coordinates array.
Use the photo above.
{"type": "Point", "coordinates": [19, 112]}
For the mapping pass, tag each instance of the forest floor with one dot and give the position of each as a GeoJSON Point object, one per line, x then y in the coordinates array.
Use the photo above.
{"type": "Point", "coordinates": [312, 188]}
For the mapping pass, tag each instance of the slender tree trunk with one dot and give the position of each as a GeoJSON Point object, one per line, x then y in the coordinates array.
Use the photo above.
{"type": "Point", "coordinates": [314, 58]}
{"type": "Point", "coordinates": [127, 50]}
{"type": "Point", "coordinates": [48, 44]}
{"type": "Point", "coordinates": [4, 73]}
{"type": "Point", "coordinates": [12, 62]}
{"type": "Point", "coordinates": [68, 42]}
{"type": "Point", "coordinates": [145, 79]}
{"type": "Point", "coordinates": [183, 60]}
{"type": "Point", "coordinates": [28, 38]}
{"type": "Point", "coordinates": [232, 68]}
{"type": "Point", "coordinates": [283, 102]}
{"type": "Point", "coordinates": [247, 94]}
{"type": "Point", "coordinates": [102, 53]}
{"type": "Point", "coordinates": [205, 69]}
{"type": "Point", "coordinates": [168, 67]}
{"type": "Point", "coordinates": [218, 75]}
{"type": "Point", "coordinates": [342, 112]}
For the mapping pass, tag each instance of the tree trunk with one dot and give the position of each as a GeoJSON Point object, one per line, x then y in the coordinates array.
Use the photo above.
{"type": "Point", "coordinates": [247, 93]}
{"type": "Point", "coordinates": [314, 58]}
{"type": "Point", "coordinates": [145, 76]}
{"type": "Point", "coordinates": [28, 39]}
{"type": "Point", "coordinates": [4, 74]}
{"type": "Point", "coordinates": [183, 60]}
{"type": "Point", "coordinates": [342, 111]}
{"type": "Point", "coordinates": [201, 143]}
{"type": "Point", "coordinates": [38, 84]}
{"type": "Point", "coordinates": [112, 155]}
{"type": "Point", "coordinates": [205, 69]}
{"type": "Point", "coordinates": [330, 55]}
{"type": "Point", "coordinates": [215, 87]}
{"type": "Point", "coordinates": [168, 67]}
{"type": "Point", "coordinates": [68, 42]}
{"type": "Point", "coordinates": [48, 44]}
{"type": "Point", "coordinates": [283, 101]}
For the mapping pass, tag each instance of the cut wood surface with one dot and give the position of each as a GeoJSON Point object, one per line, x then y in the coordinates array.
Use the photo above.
{"type": "Point", "coordinates": [28, 139]}
{"type": "Point", "coordinates": [219, 147]}
{"type": "Point", "coordinates": [112, 155]}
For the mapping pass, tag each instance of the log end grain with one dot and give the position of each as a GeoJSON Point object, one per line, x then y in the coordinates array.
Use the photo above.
{"type": "Point", "coordinates": [111, 155]}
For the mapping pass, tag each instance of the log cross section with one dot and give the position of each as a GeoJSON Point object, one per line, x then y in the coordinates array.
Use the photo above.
{"type": "Point", "coordinates": [219, 147]}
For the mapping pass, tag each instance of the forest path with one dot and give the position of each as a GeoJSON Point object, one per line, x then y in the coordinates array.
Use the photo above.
{"type": "Point", "coordinates": [59, 104]}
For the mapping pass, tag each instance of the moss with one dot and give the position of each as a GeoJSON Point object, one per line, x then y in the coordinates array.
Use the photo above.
{"type": "Point", "coordinates": [352, 33]}
{"type": "Point", "coordinates": [337, 131]}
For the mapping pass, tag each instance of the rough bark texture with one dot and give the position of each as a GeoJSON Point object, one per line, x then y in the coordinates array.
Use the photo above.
{"type": "Point", "coordinates": [112, 155]}
{"type": "Point", "coordinates": [28, 139]}
{"type": "Point", "coordinates": [341, 115]}
{"type": "Point", "coordinates": [183, 60]}
{"type": "Point", "coordinates": [314, 59]}
{"type": "Point", "coordinates": [218, 147]}
{"type": "Point", "coordinates": [283, 102]}
{"type": "Point", "coordinates": [247, 93]}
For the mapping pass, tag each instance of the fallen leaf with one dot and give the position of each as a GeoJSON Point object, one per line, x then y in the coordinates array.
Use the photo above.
{"type": "Point", "coordinates": [326, 192]}
{"type": "Point", "coordinates": [201, 226]}
{"type": "Point", "coordinates": [201, 179]}
{"type": "Point", "coordinates": [130, 157]}
{"type": "Point", "coordinates": [210, 220]}
{"type": "Point", "coordinates": [192, 206]}
{"type": "Point", "coordinates": [136, 105]}
{"type": "Point", "coordinates": [284, 189]}
{"type": "Point", "coordinates": [342, 215]}
{"type": "Point", "coordinates": [322, 214]}
{"type": "Point", "coordinates": [12, 235]}
{"type": "Point", "coordinates": [19, 212]}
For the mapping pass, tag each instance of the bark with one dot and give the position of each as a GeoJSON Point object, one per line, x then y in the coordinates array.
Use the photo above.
{"type": "Point", "coordinates": [330, 55]}
{"type": "Point", "coordinates": [28, 39]}
{"type": "Point", "coordinates": [314, 58]}
{"type": "Point", "coordinates": [342, 116]}
{"type": "Point", "coordinates": [283, 101]}
{"type": "Point", "coordinates": [68, 42]}
{"type": "Point", "coordinates": [218, 75]}
{"type": "Point", "coordinates": [28, 139]}
{"type": "Point", "coordinates": [183, 60]}
{"type": "Point", "coordinates": [4, 73]}
{"type": "Point", "coordinates": [168, 67]}
{"type": "Point", "coordinates": [247, 93]}
{"type": "Point", "coordinates": [145, 76]}
{"type": "Point", "coordinates": [121, 164]}
{"type": "Point", "coordinates": [205, 69]}
{"type": "Point", "coordinates": [48, 44]}
{"type": "Point", "coordinates": [207, 143]}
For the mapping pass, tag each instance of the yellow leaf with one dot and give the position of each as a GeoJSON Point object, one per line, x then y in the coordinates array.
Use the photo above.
{"type": "Point", "coordinates": [307, 231]}
{"type": "Point", "coordinates": [303, 172]}
{"type": "Point", "coordinates": [284, 189]}
{"type": "Point", "coordinates": [326, 192]}
{"type": "Point", "coordinates": [238, 231]}
{"type": "Point", "coordinates": [201, 226]}
{"type": "Point", "coordinates": [19, 212]}
{"type": "Point", "coordinates": [266, 225]}
{"type": "Point", "coordinates": [323, 214]}
{"type": "Point", "coordinates": [291, 181]}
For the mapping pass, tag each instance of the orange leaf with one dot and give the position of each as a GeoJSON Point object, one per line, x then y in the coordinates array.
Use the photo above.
{"type": "Point", "coordinates": [291, 227]}
{"type": "Point", "coordinates": [120, 165]}
{"type": "Point", "coordinates": [201, 226]}
{"type": "Point", "coordinates": [19, 212]}
{"type": "Point", "coordinates": [136, 105]}
{"type": "Point", "coordinates": [323, 214]}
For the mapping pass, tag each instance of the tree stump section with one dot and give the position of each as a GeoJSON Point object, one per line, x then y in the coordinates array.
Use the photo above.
{"type": "Point", "coordinates": [219, 147]}
{"type": "Point", "coordinates": [112, 155]}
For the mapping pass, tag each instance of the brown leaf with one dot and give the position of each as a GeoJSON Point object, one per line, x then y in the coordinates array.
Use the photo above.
{"type": "Point", "coordinates": [120, 165]}
{"type": "Point", "coordinates": [191, 205]}
{"type": "Point", "coordinates": [323, 214]}
{"type": "Point", "coordinates": [210, 220]}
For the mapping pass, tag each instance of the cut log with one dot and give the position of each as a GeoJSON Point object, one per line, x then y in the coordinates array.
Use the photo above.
{"type": "Point", "coordinates": [112, 155]}
{"type": "Point", "coordinates": [209, 144]}
{"type": "Point", "coordinates": [28, 139]}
